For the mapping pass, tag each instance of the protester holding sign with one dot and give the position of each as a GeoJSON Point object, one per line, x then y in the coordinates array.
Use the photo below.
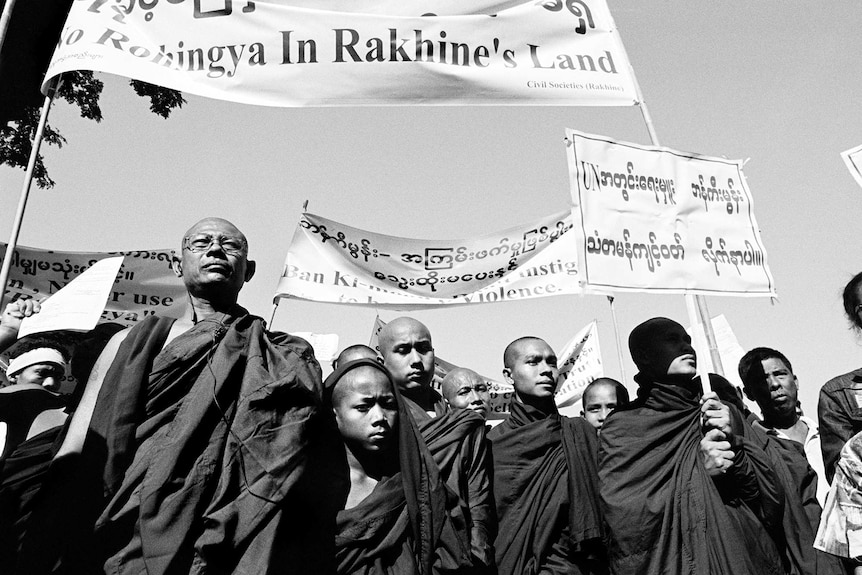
{"type": "Point", "coordinates": [684, 488]}
{"type": "Point", "coordinates": [173, 439]}
{"type": "Point", "coordinates": [545, 480]}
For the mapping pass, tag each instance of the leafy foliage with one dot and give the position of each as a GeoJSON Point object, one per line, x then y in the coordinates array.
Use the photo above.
{"type": "Point", "coordinates": [81, 89]}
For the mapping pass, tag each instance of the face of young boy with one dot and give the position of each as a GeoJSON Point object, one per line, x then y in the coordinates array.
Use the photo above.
{"type": "Point", "coordinates": [602, 400]}
{"type": "Point", "coordinates": [365, 409]}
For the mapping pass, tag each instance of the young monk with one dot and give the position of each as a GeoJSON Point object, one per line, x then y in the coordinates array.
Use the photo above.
{"type": "Point", "coordinates": [545, 481]}
{"type": "Point", "coordinates": [601, 397]}
{"type": "Point", "coordinates": [395, 517]}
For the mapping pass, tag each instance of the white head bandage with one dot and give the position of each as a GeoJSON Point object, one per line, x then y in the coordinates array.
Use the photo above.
{"type": "Point", "coordinates": [34, 356]}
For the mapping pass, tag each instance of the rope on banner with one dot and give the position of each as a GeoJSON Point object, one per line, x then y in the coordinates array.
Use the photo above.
{"type": "Point", "coordinates": [619, 341]}
{"type": "Point", "coordinates": [28, 182]}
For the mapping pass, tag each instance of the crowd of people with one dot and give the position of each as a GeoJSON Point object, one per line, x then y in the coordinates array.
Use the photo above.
{"type": "Point", "coordinates": [209, 444]}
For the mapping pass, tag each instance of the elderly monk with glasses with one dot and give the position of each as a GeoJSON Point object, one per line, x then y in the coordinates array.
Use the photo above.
{"type": "Point", "coordinates": [199, 444]}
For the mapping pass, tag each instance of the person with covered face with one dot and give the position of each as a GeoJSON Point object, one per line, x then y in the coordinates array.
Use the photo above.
{"type": "Point", "coordinates": [198, 442]}
{"type": "Point", "coordinates": [545, 477]}
{"type": "Point", "coordinates": [456, 438]}
{"type": "Point", "coordinates": [397, 515]}
{"type": "Point", "coordinates": [684, 486]}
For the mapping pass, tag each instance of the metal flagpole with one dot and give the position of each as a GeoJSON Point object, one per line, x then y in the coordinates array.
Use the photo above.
{"type": "Point", "coordinates": [278, 299]}
{"type": "Point", "coordinates": [5, 18]}
{"type": "Point", "coordinates": [274, 309]}
{"type": "Point", "coordinates": [617, 335]}
{"type": "Point", "coordinates": [28, 181]}
{"type": "Point", "coordinates": [695, 304]}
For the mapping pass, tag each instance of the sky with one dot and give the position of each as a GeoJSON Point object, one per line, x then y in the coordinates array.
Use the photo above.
{"type": "Point", "coordinates": [773, 82]}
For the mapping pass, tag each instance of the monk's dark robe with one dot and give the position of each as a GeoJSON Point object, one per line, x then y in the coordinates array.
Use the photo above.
{"type": "Point", "coordinates": [411, 522]}
{"type": "Point", "coordinates": [20, 482]}
{"type": "Point", "coordinates": [666, 515]}
{"type": "Point", "coordinates": [19, 406]}
{"type": "Point", "coordinates": [801, 508]}
{"type": "Point", "coordinates": [202, 456]}
{"type": "Point", "coordinates": [545, 487]}
{"type": "Point", "coordinates": [458, 443]}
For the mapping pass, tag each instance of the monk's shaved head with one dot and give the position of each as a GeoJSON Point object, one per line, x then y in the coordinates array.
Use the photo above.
{"type": "Point", "coordinates": [465, 389]}
{"type": "Point", "coordinates": [347, 382]}
{"type": "Point", "coordinates": [514, 348]}
{"type": "Point", "coordinates": [397, 326]}
{"type": "Point", "coordinates": [353, 352]}
{"type": "Point", "coordinates": [457, 377]}
{"type": "Point", "coordinates": [407, 352]}
{"type": "Point", "coordinates": [223, 225]}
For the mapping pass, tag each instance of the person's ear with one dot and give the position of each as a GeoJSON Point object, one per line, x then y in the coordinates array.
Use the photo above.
{"type": "Point", "coordinates": [177, 265]}
{"type": "Point", "coordinates": [507, 376]}
{"type": "Point", "coordinates": [250, 268]}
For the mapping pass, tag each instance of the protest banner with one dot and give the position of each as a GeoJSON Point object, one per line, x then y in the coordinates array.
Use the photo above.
{"type": "Point", "coordinates": [145, 285]}
{"type": "Point", "coordinates": [580, 363]}
{"type": "Point", "coordinates": [331, 262]}
{"type": "Point", "coordinates": [352, 54]}
{"type": "Point", "coordinates": [654, 219]}
{"type": "Point", "coordinates": [853, 160]}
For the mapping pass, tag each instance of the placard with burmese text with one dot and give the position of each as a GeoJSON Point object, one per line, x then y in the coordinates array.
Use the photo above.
{"type": "Point", "coordinates": [357, 52]}
{"type": "Point", "coordinates": [145, 285]}
{"type": "Point", "coordinates": [331, 262]}
{"type": "Point", "coordinates": [654, 219]}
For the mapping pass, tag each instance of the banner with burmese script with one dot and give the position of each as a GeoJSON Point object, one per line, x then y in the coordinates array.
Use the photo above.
{"type": "Point", "coordinates": [145, 285]}
{"type": "Point", "coordinates": [357, 52]}
{"type": "Point", "coordinates": [331, 262]}
{"type": "Point", "coordinates": [659, 220]}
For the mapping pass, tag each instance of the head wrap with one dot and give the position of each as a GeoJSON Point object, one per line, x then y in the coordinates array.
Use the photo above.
{"type": "Point", "coordinates": [36, 356]}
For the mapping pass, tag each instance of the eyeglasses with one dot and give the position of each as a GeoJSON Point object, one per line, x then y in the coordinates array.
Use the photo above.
{"type": "Point", "coordinates": [857, 308]}
{"type": "Point", "coordinates": [202, 242]}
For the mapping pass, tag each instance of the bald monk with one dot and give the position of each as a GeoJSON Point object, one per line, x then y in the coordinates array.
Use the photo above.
{"type": "Point", "coordinates": [600, 398]}
{"type": "Point", "coordinates": [465, 389]}
{"type": "Point", "coordinates": [545, 478]}
{"type": "Point", "coordinates": [397, 515]}
{"type": "Point", "coordinates": [456, 439]}
{"type": "Point", "coordinates": [197, 441]}
{"type": "Point", "coordinates": [685, 488]}
{"type": "Point", "coordinates": [353, 352]}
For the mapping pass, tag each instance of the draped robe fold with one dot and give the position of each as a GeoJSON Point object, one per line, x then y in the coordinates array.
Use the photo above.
{"type": "Point", "coordinates": [458, 443]}
{"type": "Point", "coordinates": [665, 514]}
{"type": "Point", "coordinates": [197, 458]}
{"type": "Point", "coordinates": [545, 487]}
